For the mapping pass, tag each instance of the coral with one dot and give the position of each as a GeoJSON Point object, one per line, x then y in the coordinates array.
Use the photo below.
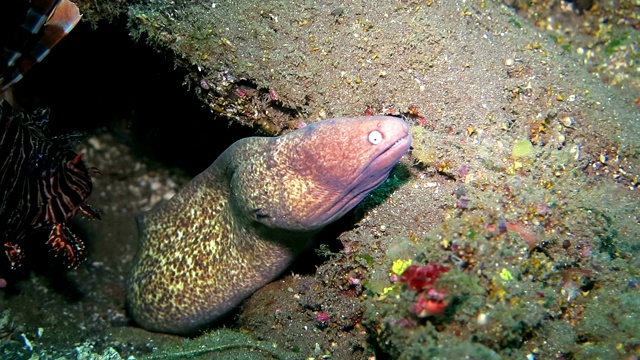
{"type": "Point", "coordinates": [421, 278]}
{"type": "Point", "coordinates": [429, 301]}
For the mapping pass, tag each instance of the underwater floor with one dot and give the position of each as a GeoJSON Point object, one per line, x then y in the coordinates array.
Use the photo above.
{"type": "Point", "coordinates": [511, 230]}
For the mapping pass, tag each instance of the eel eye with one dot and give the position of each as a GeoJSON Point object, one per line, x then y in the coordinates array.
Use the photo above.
{"type": "Point", "coordinates": [375, 137]}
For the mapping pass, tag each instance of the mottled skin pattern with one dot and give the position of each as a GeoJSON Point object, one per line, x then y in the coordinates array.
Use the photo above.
{"type": "Point", "coordinates": [240, 223]}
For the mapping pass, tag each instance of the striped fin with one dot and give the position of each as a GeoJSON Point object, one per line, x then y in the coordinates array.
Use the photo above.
{"type": "Point", "coordinates": [43, 184]}
{"type": "Point", "coordinates": [67, 245]}
{"type": "Point", "coordinates": [36, 16]}
{"type": "Point", "coordinates": [58, 17]}
{"type": "Point", "coordinates": [14, 254]}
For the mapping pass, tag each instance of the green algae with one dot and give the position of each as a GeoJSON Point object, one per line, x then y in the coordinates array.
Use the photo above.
{"type": "Point", "coordinates": [423, 145]}
{"type": "Point", "coordinates": [225, 345]}
{"type": "Point", "coordinates": [610, 327]}
{"type": "Point", "coordinates": [527, 263]}
{"type": "Point", "coordinates": [522, 148]}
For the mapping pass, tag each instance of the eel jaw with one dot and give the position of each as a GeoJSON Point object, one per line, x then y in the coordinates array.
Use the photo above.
{"type": "Point", "coordinates": [372, 176]}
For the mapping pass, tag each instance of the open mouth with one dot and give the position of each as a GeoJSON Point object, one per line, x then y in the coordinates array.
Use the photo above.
{"type": "Point", "coordinates": [366, 180]}
{"type": "Point", "coordinates": [391, 155]}
{"type": "Point", "coordinates": [375, 173]}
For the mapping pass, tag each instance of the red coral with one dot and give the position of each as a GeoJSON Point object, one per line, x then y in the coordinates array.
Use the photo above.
{"type": "Point", "coordinates": [430, 303]}
{"type": "Point", "coordinates": [421, 277]}
{"type": "Point", "coordinates": [323, 317]}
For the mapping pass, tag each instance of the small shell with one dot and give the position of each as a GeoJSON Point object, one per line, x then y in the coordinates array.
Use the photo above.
{"type": "Point", "coordinates": [575, 150]}
{"type": "Point", "coordinates": [561, 138]}
{"type": "Point", "coordinates": [567, 121]}
{"type": "Point", "coordinates": [603, 158]}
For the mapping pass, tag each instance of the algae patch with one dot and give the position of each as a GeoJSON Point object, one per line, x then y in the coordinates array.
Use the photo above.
{"type": "Point", "coordinates": [522, 148]}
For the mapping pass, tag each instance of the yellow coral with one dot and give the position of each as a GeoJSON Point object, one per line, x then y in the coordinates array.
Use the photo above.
{"type": "Point", "coordinates": [399, 266]}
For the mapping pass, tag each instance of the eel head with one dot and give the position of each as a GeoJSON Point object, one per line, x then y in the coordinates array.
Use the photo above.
{"type": "Point", "coordinates": [314, 175]}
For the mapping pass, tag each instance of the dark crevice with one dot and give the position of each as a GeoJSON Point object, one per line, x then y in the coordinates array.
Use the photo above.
{"type": "Point", "coordinates": [97, 80]}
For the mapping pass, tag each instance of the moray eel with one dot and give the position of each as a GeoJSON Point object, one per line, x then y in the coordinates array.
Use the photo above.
{"type": "Point", "coordinates": [240, 223]}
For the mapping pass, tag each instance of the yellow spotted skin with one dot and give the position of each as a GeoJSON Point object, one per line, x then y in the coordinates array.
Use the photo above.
{"type": "Point", "coordinates": [239, 224]}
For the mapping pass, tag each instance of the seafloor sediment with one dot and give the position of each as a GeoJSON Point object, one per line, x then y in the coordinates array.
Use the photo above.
{"type": "Point", "coordinates": [522, 180]}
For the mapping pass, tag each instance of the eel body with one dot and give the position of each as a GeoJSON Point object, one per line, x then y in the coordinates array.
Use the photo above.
{"type": "Point", "coordinates": [238, 224]}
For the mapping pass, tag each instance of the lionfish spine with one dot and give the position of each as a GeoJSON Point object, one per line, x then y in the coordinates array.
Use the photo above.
{"type": "Point", "coordinates": [43, 182]}
{"type": "Point", "coordinates": [54, 19]}
{"type": "Point", "coordinates": [65, 191]}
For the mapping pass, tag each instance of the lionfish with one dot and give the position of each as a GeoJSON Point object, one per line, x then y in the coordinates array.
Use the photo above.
{"type": "Point", "coordinates": [43, 182]}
